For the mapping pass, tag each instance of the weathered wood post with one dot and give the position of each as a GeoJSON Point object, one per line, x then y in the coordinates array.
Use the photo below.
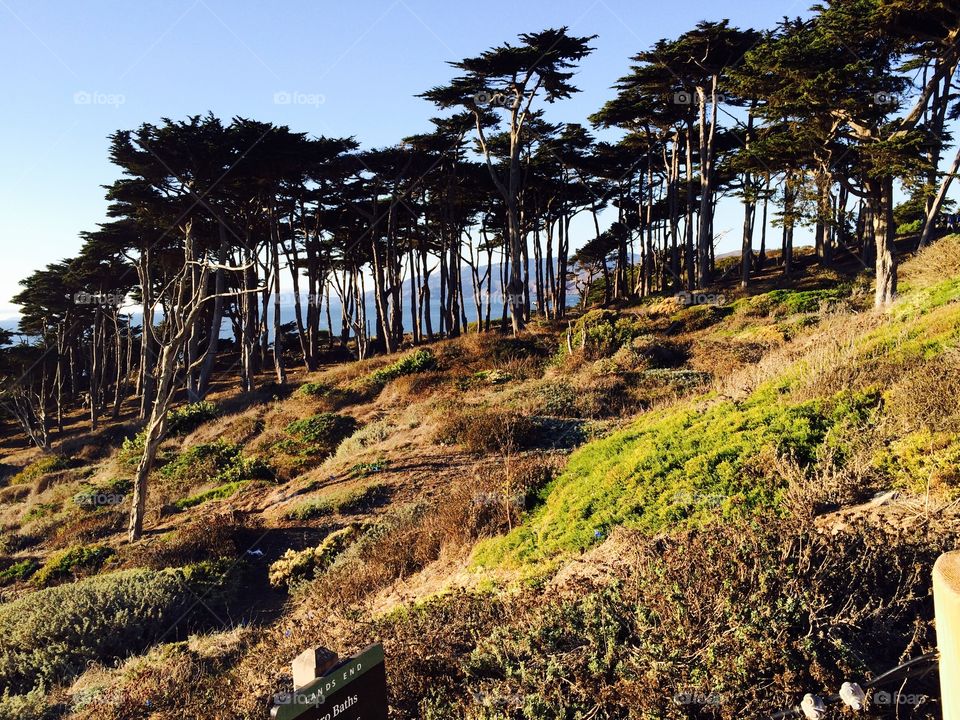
{"type": "Point", "coordinates": [946, 607]}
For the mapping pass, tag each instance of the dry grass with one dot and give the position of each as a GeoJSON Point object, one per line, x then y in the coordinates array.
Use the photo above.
{"type": "Point", "coordinates": [933, 264]}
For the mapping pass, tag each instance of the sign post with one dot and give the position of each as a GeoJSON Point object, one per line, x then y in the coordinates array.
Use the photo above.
{"type": "Point", "coordinates": [355, 690]}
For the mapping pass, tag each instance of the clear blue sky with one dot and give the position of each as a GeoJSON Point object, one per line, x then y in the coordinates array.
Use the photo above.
{"type": "Point", "coordinates": [76, 71]}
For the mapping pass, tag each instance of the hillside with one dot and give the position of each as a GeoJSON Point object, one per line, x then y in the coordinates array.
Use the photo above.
{"type": "Point", "coordinates": [658, 510]}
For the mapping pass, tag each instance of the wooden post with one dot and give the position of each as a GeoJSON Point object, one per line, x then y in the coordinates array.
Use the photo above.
{"type": "Point", "coordinates": [946, 604]}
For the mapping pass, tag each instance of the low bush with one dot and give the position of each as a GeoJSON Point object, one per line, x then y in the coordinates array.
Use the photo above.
{"type": "Point", "coordinates": [295, 566]}
{"type": "Point", "coordinates": [216, 462]}
{"type": "Point", "coordinates": [483, 430]}
{"type": "Point", "coordinates": [367, 436]}
{"type": "Point", "coordinates": [131, 450]}
{"type": "Point", "coordinates": [348, 502]}
{"type": "Point", "coordinates": [186, 419]}
{"type": "Point", "coordinates": [780, 303]}
{"type": "Point", "coordinates": [42, 466]}
{"type": "Point", "coordinates": [416, 362]}
{"type": "Point", "coordinates": [600, 333]}
{"type": "Point", "coordinates": [70, 563]}
{"type": "Point", "coordinates": [324, 432]}
{"type": "Point", "coordinates": [208, 536]}
{"type": "Point", "coordinates": [334, 396]}
{"type": "Point", "coordinates": [50, 636]}
{"type": "Point", "coordinates": [218, 493]}
{"type": "Point", "coordinates": [112, 492]}
{"type": "Point", "coordinates": [643, 476]}
{"type": "Point", "coordinates": [18, 571]}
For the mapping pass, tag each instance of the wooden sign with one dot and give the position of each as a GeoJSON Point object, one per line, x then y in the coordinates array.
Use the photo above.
{"type": "Point", "coordinates": [354, 690]}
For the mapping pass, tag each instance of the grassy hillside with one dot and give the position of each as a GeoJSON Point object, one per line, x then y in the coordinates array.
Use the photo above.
{"type": "Point", "coordinates": [657, 511]}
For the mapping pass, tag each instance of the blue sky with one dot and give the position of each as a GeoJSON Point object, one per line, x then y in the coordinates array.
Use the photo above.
{"type": "Point", "coordinates": [76, 71]}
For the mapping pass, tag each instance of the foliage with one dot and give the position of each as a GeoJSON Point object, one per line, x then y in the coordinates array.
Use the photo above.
{"type": "Point", "coordinates": [295, 566]}
{"type": "Point", "coordinates": [216, 462]}
{"type": "Point", "coordinates": [131, 450]}
{"type": "Point", "coordinates": [71, 562]}
{"type": "Point", "coordinates": [780, 303]}
{"type": "Point", "coordinates": [18, 571]}
{"type": "Point", "coordinates": [416, 362]}
{"type": "Point", "coordinates": [186, 419]}
{"type": "Point", "coordinates": [218, 493]}
{"type": "Point", "coordinates": [484, 430]}
{"type": "Point", "coordinates": [335, 396]}
{"type": "Point", "coordinates": [600, 333]}
{"type": "Point", "coordinates": [51, 635]}
{"type": "Point", "coordinates": [111, 492]}
{"type": "Point", "coordinates": [346, 502]}
{"type": "Point", "coordinates": [323, 432]}
{"type": "Point", "coordinates": [680, 466]}
{"type": "Point", "coordinates": [42, 466]}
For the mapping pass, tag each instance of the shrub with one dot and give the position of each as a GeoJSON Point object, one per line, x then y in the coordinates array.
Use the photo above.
{"type": "Point", "coordinates": [416, 362]}
{"type": "Point", "coordinates": [294, 566]}
{"type": "Point", "coordinates": [218, 493]}
{"type": "Point", "coordinates": [18, 571]}
{"type": "Point", "coordinates": [556, 398]}
{"type": "Point", "coordinates": [348, 502]}
{"type": "Point", "coordinates": [132, 450]}
{"type": "Point", "coordinates": [42, 466]}
{"type": "Point", "coordinates": [370, 434]}
{"type": "Point", "coordinates": [31, 706]}
{"type": "Point", "coordinates": [643, 476]}
{"type": "Point", "coordinates": [600, 333]}
{"type": "Point", "coordinates": [50, 636]}
{"type": "Point", "coordinates": [324, 432]}
{"type": "Point", "coordinates": [780, 303]}
{"type": "Point", "coordinates": [71, 562]}
{"type": "Point", "coordinates": [112, 492]}
{"type": "Point", "coordinates": [910, 228]}
{"type": "Point", "coordinates": [365, 469]}
{"type": "Point", "coordinates": [186, 419]}
{"type": "Point", "coordinates": [336, 397]}
{"type": "Point", "coordinates": [482, 430]}
{"type": "Point", "coordinates": [207, 536]}
{"type": "Point", "coordinates": [217, 462]}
